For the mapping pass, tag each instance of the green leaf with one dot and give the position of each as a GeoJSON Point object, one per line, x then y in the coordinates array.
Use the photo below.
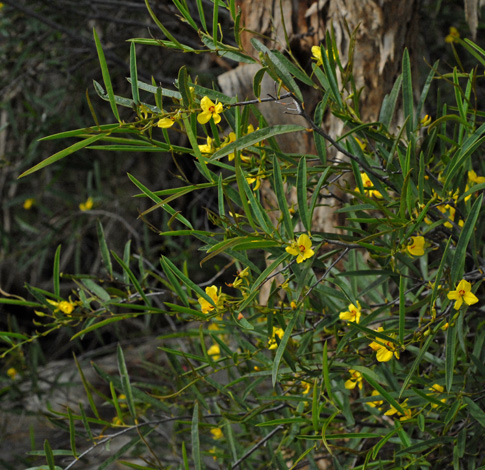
{"type": "Point", "coordinates": [86, 388]}
{"type": "Point", "coordinates": [282, 347]}
{"type": "Point", "coordinates": [326, 373]}
{"type": "Point", "coordinates": [407, 93]}
{"type": "Point", "coordinates": [72, 432]}
{"type": "Point", "coordinates": [195, 437]}
{"type": "Point", "coordinates": [261, 279]}
{"type": "Point", "coordinates": [97, 290]}
{"type": "Point", "coordinates": [190, 284]}
{"type": "Point", "coordinates": [475, 411]}
{"type": "Point", "coordinates": [125, 382]}
{"type": "Point", "coordinates": [163, 29]}
{"type": "Point", "coordinates": [104, 248]}
{"type": "Point", "coordinates": [256, 137]}
{"type": "Point", "coordinates": [301, 189]}
{"type": "Point", "coordinates": [402, 307]}
{"type": "Point", "coordinates": [282, 72]}
{"type": "Point", "coordinates": [56, 274]}
{"type": "Point", "coordinates": [464, 151]}
{"type": "Point", "coordinates": [389, 103]}
{"type": "Point", "coordinates": [132, 278]}
{"type": "Point", "coordinates": [383, 393]}
{"type": "Point", "coordinates": [331, 74]}
{"type": "Point", "coordinates": [49, 456]}
{"type": "Point", "coordinates": [60, 155]}
{"type": "Point", "coordinates": [422, 352]}
{"type": "Point", "coordinates": [106, 76]}
{"type": "Point", "coordinates": [458, 264]}
{"type": "Point", "coordinates": [134, 74]}
{"type": "Point", "coordinates": [282, 200]}
{"type": "Point", "coordinates": [156, 199]}
{"type": "Point", "coordinates": [450, 356]}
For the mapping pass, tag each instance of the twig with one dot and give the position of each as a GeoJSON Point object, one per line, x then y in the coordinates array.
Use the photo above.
{"type": "Point", "coordinates": [257, 446]}
{"type": "Point", "coordinates": [320, 131]}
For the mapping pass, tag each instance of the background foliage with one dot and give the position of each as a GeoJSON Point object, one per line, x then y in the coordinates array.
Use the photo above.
{"type": "Point", "coordinates": [233, 381]}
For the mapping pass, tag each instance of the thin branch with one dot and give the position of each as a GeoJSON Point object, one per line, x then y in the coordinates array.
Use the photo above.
{"type": "Point", "coordinates": [257, 446]}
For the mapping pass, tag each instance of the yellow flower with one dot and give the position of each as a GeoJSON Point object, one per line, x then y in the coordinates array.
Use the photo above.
{"type": "Point", "coordinates": [302, 248]}
{"type": "Point", "coordinates": [209, 110]}
{"type": "Point", "coordinates": [217, 433]}
{"type": "Point", "coordinates": [449, 212]}
{"type": "Point", "coordinates": [437, 389]}
{"type": "Point", "coordinates": [453, 36]}
{"type": "Point", "coordinates": [445, 326]}
{"type": "Point", "coordinates": [356, 379]}
{"type": "Point", "coordinates": [215, 352]}
{"type": "Point", "coordinates": [12, 372]}
{"type": "Point", "coordinates": [416, 247]}
{"type": "Point", "coordinates": [86, 206]}
{"type": "Point", "coordinates": [463, 294]}
{"type": "Point", "coordinates": [385, 349]}
{"type": "Point", "coordinates": [28, 203]}
{"type": "Point", "coordinates": [317, 55]}
{"type": "Point", "coordinates": [307, 386]}
{"type": "Point", "coordinates": [474, 178]}
{"type": "Point", "coordinates": [352, 314]}
{"type": "Point", "coordinates": [64, 306]}
{"type": "Point", "coordinates": [368, 185]}
{"type": "Point", "coordinates": [166, 122]}
{"type": "Point", "coordinates": [209, 147]}
{"type": "Point", "coordinates": [426, 121]}
{"type": "Point", "coordinates": [375, 404]}
{"type": "Point", "coordinates": [206, 306]}
{"type": "Point", "coordinates": [272, 344]}
{"type": "Point", "coordinates": [407, 412]}
{"type": "Point", "coordinates": [257, 180]}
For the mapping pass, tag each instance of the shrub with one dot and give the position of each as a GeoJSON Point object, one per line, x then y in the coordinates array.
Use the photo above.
{"type": "Point", "coordinates": [366, 352]}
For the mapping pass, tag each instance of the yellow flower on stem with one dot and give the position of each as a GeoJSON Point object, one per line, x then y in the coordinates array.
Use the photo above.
{"type": "Point", "coordinates": [368, 187]}
{"type": "Point", "coordinates": [355, 379]}
{"type": "Point", "coordinates": [474, 178]}
{"type": "Point", "coordinates": [167, 122]}
{"type": "Point", "coordinates": [302, 248]}
{"type": "Point", "coordinates": [205, 305]}
{"type": "Point", "coordinates": [256, 180]}
{"type": "Point", "coordinates": [209, 110]}
{"type": "Point", "coordinates": [407, 412]}
{"type": "Point", "coordinates": [453, 35]}
{"type": "Point", "coordinates": [462, 294]}
{"type": "Point", "coordinates": [217, 433]}
{"type": "Point", "coordinates": [416, 247]}
{"type": "Point", "coordinates": [86, 206]}
{"type": "Point", "coordinates": [64, 306]}
{"type": "Point", "coordinates": [28, 203]}
{"type": "Point", "coordinates": [352, 314]}
{"type": "Point", "coordinates": [215, 352]}
{"type": "Point", "coordinates": [437, 389]}
{"type": "Point", "coordinates": [385, 349]}
{"type": "Point", "coordinates": [272, 344]}
{"type": "Point", "coordinates": [426, 121]}
{"type": "Point", "coordinates": [317, 55]}
{"type": "Point", "coordinates": [375, 404]}
{"type": "Point", "coordinates": [12, 372]}
{"type": "Point", "coordinates": [209, 147]}
{"type": "Point", "coordinates": [307, 387]}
